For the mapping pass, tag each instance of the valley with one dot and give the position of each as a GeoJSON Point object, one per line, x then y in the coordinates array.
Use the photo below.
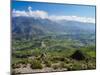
{"type": "Point", "coordinates": [42, 45]}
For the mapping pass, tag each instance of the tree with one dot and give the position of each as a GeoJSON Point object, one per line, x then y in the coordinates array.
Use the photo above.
{"type": "Point", "coordinates": [78, 55]}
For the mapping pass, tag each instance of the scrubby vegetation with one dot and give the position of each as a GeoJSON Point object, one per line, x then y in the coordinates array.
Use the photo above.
{"type": "Point", "coordinates": [36, 64]}
{"type": "Point", "coordinates": [56, 54]}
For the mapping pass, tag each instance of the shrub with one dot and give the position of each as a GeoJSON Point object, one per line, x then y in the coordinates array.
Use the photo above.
{"type": "Point", "coordinates": [91, 65]}
{"type": "Point", "coordinates": [78, 55]}
{"type": "Point", "coordinates": [69, 68]}
{"type": "Point", "coordinates": [13, 73]}
{"type": "Point", "coordinates": [48, 63]}
{"type": "Point", "coordinates": [36, 65]}
{"type": "Point", "coordinates": [14, 66]}
{"type": "Point", "coordinates": [84, 67]}
{"type": "Point", "coordinates": [58, 58]}
{"type": "Point", "coordinates": [76, 67]}
{"type": "Point", "coordinates": [63, 65]}
{"type": "Point", "coordinates": [67, 60]}
{"type": "Point", "coordinates": [23, 61]}
{"type": "Point", "coordinates": [56, 66]}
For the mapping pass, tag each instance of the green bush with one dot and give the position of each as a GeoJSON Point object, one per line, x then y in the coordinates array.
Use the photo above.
{"type": "Point", "coordinates": [63, 65]}
{"type": "Point", "coordinates": [36, 65]}
{"type": "Point", "coordinates": [23, 61]}
{"type": "Point", "coordinates": [14, 66]}
{"type": "Point", "coordinates": [69, 68]}
{"type": "Point", "coordinates": [67, 60]}
{"type": "Point", "coordinates": [48, 63]}
{"type": "Point", "coordinates": [76, 67]}
{"type": "Point", "coordinates": [78, 55]}
{"type": "Point", "coordinates": [56, 66]}
{"type": "Point", "coordinates": [58, 58]}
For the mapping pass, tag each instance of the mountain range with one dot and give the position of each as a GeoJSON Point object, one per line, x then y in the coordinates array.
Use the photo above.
{"type": "Point", "coordinates": [28, 27]}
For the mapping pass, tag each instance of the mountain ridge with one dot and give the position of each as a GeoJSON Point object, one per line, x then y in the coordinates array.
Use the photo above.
{"type": "Point", "coordinates": [30, 27]}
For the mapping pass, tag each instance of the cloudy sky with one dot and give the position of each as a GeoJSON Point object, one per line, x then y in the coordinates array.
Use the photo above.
{"type": "Point", "coordinates": [54, 11]}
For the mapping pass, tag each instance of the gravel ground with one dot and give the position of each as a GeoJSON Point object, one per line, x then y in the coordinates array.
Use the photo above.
{"type": "Point", "coordinates": [29, 70]}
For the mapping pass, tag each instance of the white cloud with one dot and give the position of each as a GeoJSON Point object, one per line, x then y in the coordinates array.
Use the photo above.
{"type": "Point", "coordinates": [73, 18]}
{"type": "Point", "coordinates": [16, 13]}
{"type": "Point", "coordinates": [30, 8]}
{"type": "Point", "coordinates": [44, 15]}
{"type": "Point", "coordinates": [30, 13]}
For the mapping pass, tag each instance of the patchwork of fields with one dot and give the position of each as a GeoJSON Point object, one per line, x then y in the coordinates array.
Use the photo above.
{"type": "Point", "coordinates": [50, 54]}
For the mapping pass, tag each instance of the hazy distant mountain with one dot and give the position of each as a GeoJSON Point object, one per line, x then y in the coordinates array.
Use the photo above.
{"type": "Point", "coordinates": [80, 26]}
{"type": "Point", "coordinates": [26, 27]}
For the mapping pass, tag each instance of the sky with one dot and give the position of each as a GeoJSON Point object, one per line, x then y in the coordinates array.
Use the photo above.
{"type": "Point", "coordinates": [53, 10]}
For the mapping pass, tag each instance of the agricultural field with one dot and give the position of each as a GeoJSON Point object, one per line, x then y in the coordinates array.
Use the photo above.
{"type": "Point", "coordinates": [49, 55]}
